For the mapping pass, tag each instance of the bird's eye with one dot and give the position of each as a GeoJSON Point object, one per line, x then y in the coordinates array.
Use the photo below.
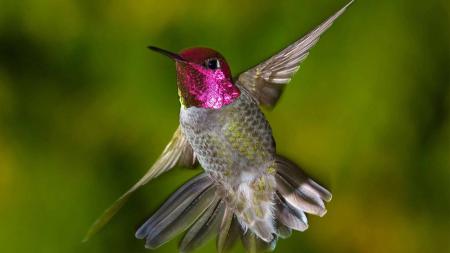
{"type": "Point", "coordinates": [212, 64]}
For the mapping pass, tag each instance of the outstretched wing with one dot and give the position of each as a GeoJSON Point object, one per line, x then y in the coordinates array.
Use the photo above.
{"type": "Point", "coordinates": [266, 81]}
{"type": "Point", "coordinates": [177, 152]}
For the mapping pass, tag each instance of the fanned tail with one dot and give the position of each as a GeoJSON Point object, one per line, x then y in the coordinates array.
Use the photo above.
{"type": "Point", "coordinates": [199, 208]}
{"type": "Point", "coordinates": [194, 207]}
{"type": "Point", "coordinates": [181, 210]}
{"type": "Point", "coordinates": [297, 194]}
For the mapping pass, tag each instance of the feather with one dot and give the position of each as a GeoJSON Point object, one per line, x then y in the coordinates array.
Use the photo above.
{"type": "Point", "coordinates": [180, 215]}
{"type": "Point", "coordinates": [300, 180]}
{"type": "Point", "coordinates": [253, 244]}
{"type": "Point", "coordinates": [291, 218]}
{"type": "Point", "coordinates": [176, 204]}
{"type": "Point", "coordinates": [297, 200]}
{"type": "Point", "coordinates": [224, 228]}
{"type": "Point", "coordinates": [283, 231]}
{"type": "Point", "coordinates": [204, 228]}
{"type": "Point", "coordinates": [228, 231]}
{"type": "Point", "coordinates": [298, 190]}
{"type": "Point", "coordinates": [178, 151]}
{"type": "Point", "coordinates": [266, 81]}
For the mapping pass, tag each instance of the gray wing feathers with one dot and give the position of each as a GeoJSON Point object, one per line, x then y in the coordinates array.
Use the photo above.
{"type": "Point", "coordinates": [266, 80]}
{"type": "Point", "coordinates": [178, 151]}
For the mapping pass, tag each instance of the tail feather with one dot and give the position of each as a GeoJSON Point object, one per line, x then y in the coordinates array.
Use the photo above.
{"type": "Point", "coordinates": [263, 211]}
{"type": "Point", "coordinates": [180, 215]}
{"type": "Point", "coordinates": [293, 219]}
{"type": "Point", "coordinates": [301, 180]}
{"type": "Point", "coordinates": [165, 231]}
{"type": "Point", "coordinates": [298, 200]}
{"type": "Point", "coordinates": [204, 228]}
{"type": "Point", "coordinates": [263, 230]}
{"type": "Point", "coordinates": [228, 231]}
{"type": "Point", "coordinates": [175, 204]}
{"type": "Point", "coordinates": [297, 194]}
{"type": "Point", "coordinates": [254, 204]}
{"type": "Point", "coordinates": [283, 231]}
{"type": "Point", "coordinates": [254, 244]}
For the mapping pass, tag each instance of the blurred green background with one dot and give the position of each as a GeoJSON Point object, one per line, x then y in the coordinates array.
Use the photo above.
{"type": "Point", "coordinates": [85, 109]}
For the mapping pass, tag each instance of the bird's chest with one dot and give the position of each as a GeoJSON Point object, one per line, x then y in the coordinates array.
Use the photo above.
{"type": "Point", "coordinates": [230, 141]}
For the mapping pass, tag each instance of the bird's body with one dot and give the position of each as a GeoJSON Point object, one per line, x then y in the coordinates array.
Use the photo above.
{"type": "Point", "coordinates": [234, 145]}
{"type": "Point", "coordinates": [234, 136]}
{"type": "Point", "coordinates": [246, 187]}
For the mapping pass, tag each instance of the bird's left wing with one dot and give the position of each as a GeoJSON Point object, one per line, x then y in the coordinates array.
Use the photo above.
{"type": "Point", "coordinates": [177, 152]}
{"type": "Point", "coordinates": [266, 81]}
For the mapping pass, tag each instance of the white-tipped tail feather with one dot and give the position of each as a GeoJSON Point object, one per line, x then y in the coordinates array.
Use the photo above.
{"type": "Point", "coordinates": [262, 211]}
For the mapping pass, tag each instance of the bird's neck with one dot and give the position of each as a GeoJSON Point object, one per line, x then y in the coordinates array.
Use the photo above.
{"type": "Point", "coordinates": [212, 91]}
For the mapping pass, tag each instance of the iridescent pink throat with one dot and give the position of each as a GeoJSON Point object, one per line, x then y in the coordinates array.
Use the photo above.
{"type": "Point", "coordinates": [205, 88]}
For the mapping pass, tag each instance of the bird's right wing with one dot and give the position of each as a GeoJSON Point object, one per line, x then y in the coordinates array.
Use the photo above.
{"type": "Point", "coordinates": [266, 81]}
{"type": "Point", "coordinates": [177, 152]}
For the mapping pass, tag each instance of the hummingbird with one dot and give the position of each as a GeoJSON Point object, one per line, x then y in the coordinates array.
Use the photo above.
{"type": "Point", "coordinates": [246, 188]}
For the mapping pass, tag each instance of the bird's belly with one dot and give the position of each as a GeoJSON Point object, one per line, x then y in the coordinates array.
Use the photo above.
{"type": "Point", "coordinates": [235, 147]}
{"type": "Point", "coordinates": [233, 144]}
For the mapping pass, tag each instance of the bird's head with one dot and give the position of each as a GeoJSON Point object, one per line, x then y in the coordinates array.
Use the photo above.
{"type": "Point", "coordinates": [203, 77]}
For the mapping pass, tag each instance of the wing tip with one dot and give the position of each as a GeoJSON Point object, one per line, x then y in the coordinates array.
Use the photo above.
{"type": "Point", "coordinates": [106, 216]}
{"type": "Point", "coordinates": [345, 7]}
{"type": "Point", "coordinates": [95, 228]}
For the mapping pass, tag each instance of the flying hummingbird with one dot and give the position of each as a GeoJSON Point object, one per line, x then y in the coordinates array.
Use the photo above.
{"type": "Point", "coordinates": [246, 188]}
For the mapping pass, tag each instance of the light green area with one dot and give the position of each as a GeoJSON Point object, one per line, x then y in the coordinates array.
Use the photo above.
{"type": "Point", "coordinates": [85, 109]}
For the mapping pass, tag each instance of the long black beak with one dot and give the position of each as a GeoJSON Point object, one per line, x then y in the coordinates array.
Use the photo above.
{"type": "Point", "coordinates": [169, 54]}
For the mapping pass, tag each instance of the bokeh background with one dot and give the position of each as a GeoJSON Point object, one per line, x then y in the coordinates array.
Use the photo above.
{"type": "Point", "coordinates": [85, 109]}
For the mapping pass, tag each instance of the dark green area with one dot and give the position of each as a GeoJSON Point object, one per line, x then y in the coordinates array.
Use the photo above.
{"type": "Point", "coordinates": [85, 109]}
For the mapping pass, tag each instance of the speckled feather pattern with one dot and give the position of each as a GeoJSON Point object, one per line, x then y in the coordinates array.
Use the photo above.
{"type": "Point", "coordinates": [233, 141]}
{"type": "Point", "coordinates": [203, 87]}
{"type": "Point", "coordinates": [235, 147]}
